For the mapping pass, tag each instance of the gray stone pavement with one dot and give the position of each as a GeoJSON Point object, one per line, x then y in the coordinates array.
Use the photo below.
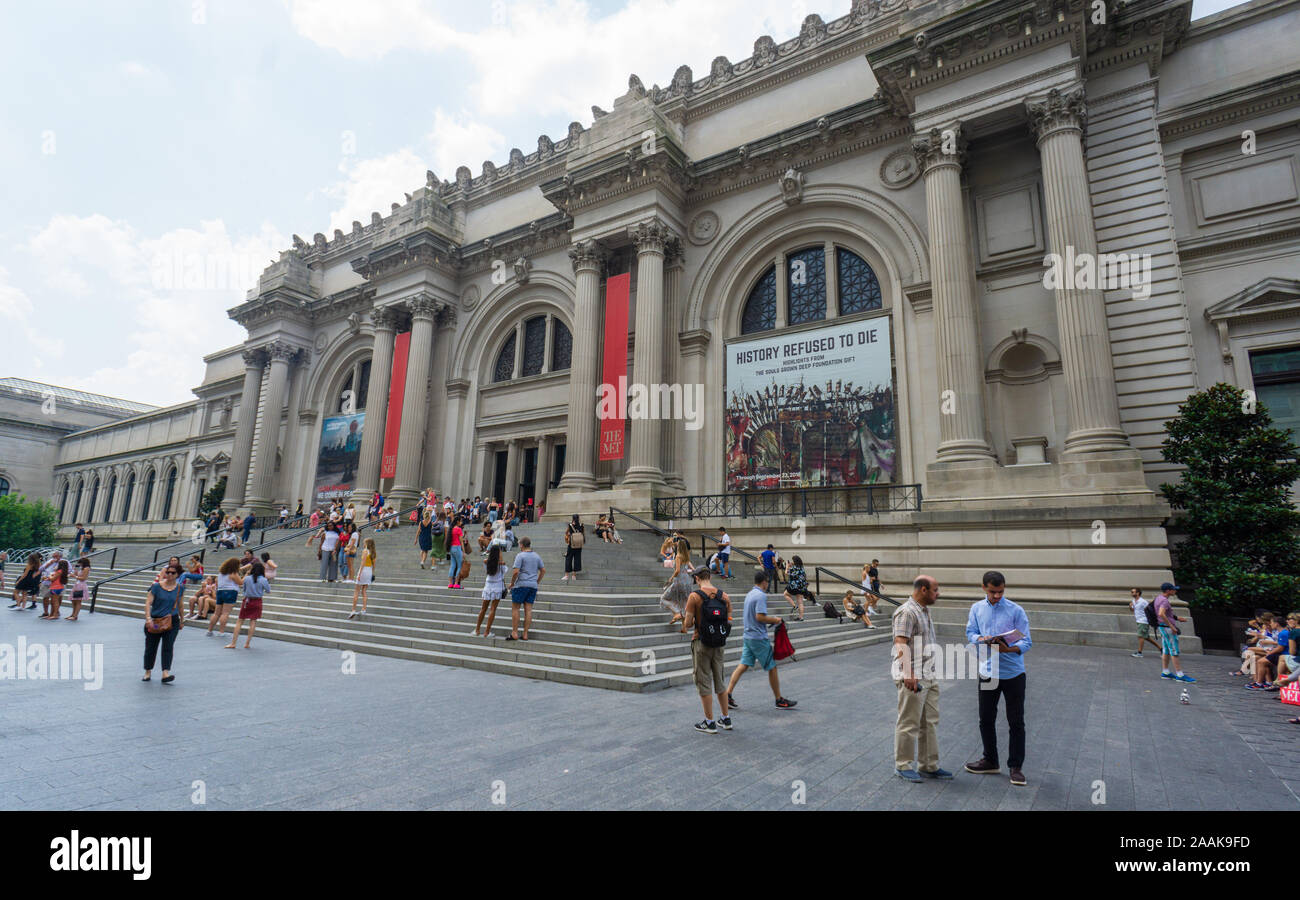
{"type": "Point", "coordinates": [281, 727]}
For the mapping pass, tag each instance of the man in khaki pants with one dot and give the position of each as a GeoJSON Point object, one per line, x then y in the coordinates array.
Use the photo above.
{"type": "Point", "coordinates": [918, 692]}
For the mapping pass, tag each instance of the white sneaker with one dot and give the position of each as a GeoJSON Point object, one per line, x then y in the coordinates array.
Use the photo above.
{"type": "Point", "coordinates": [352, 615]}
{"type": "Point", "coordinates": [473, 632]}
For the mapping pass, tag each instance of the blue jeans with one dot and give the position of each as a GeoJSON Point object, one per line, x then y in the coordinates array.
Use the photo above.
{"type": "Point", "coordinates": [457, 555]}
{"type": "Point", "coordinates": [343, 564]}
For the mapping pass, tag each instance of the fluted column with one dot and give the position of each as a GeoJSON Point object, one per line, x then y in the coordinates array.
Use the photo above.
{"type": "Point", "coordinates": [415, 405]}
{"type": "Point", "coordinates": [543, 477]}
{"type": "Point", "coordinates": [671, 438]}
{"type": "Point", "coordinates": [1058, 121]}
{"type": "Point", "coordinates": [262, 487]}
{"type": "Point", "coordinates": [956, 315]}
{"type": "Point", "coordinates": [512, 473]}
{"type": "Point", "coordinates": [648, 351]}
{"type": "Point", "coordinates": [580, 458]}
{"type": "Point", "coordinates": [381, 376]}
{"type": "Point", "coordinates": [242, 453]}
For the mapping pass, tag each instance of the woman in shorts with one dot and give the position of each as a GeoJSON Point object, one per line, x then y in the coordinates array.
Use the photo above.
{"type": "Point", "coordinates": [80, 590]}
{"type": "Point", "coordinates": [493, 589]}
{"type": "Point", "coordinates": [58, 581]}
{"type": "Point", "coordinates": [364, 577]}
{"type": "Point", "coordinates": [227, 593]}
{"type": "Point", "coordinates": [255, 587]}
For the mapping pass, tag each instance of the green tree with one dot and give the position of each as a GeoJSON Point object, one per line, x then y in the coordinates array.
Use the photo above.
{"type": "Point", "coordinates": [25, 524]}
{"type": "Point", "coordinates": [1241, 550]}
{"type": "Point", "coordinates": [212, 499]}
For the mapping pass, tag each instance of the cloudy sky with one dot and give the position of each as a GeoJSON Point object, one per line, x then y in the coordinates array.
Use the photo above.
{"type": "Point", "coordinates": [159, 154]}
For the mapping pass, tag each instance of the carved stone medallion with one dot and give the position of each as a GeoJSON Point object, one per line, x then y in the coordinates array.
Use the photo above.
{"type": "Point", "coordinates": [899, 169]}
{"type": "Point", "coordinates": [470, 298]}
{"type": "Point", "coordinates": [703, 228]}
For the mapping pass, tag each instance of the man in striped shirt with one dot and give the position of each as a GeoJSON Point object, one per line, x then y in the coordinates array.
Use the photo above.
{"type": "Point", "coordinates": [916, 729]}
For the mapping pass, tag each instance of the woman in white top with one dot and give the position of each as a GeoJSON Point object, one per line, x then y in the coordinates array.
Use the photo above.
{"type": "Point", "coordinates": [350, 513]}
{"type": "Point", "coordinates": [493, 589]}
{"type": "Point", "coordinates": [364, 576]}
{"type": "Point", "coordinates": [269, 565]}
{"type": "Point", "coordinates": [329, 544]}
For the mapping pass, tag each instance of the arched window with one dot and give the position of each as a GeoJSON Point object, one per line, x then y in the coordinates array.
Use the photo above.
{"type": "Point", "coordinates": [170, 494]}
{"type": "Point", "coordinates": [108, 503]}
{"type": "Point", "coordinates": [148, 494]}
{"type": "Point", "coordinates": [858, 287]}
{"type": "Point", "coordinates": [94, 496]}
{"type": "Point", "coordinates": [76, 506]}
{"type": "Point", "coordinates": [759, 313]}
{"type": "Point", "coordinates": [505, 367]}
{"type": "Point", "coordinates": [63, 501]}
{"type": "Point", "coordinates": [806, 278]}
{"type": "Point", "coordinates": [126, 504]}
{"type": "Point", "coordinates": [534, 345]}
{"type": "Point", "coordinates": [356, 389]}
{"type": "Point", "coordinates": [4, 486]}
{"type": "Point", "coordinates": [561, 347]}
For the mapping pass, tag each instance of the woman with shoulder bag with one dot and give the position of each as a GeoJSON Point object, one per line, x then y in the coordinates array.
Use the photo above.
{"type": "Point", "coordinates": [162, 621]}
{"type": "Point", "coordinates": [575, 537]}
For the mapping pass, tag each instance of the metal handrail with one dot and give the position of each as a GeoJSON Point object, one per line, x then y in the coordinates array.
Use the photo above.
{"type": "Point", "coordinates": [94, 590]}
{"type": "Point", "coordinates": [655, 528]}
{"type": "Point", "coordinates": [287, 523]}
{"type": "Point", "coordinates": [360, 528]}
{"type": "Point", "coordinates": [817, 574]}
{"type": "Point", "coordinates": [704, 550]}
{"type": "Point", "coordinates": [112, 562]}
{"type": "Point", "coordinates": [188, 540]}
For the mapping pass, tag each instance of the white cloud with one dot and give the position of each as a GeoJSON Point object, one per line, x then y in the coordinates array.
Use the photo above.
{"type": "Point", "coordinates": [458, 140]}
{"type": "Point", "coordinates": [14, 304]}
{"type": "Point", "coordinates": [374, 185]}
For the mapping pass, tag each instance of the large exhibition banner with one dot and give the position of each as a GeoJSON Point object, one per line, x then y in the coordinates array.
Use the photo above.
{"type": "Point", "coordinates": [396, 397]}
{"type": "Point", "coordinates": [612, 429]}
{"type": "Point", "coordinates": [340, 451]}
{"type": "Point", "coordinates": [811, 409]}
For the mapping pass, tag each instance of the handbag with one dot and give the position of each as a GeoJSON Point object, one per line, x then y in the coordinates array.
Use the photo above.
{"type": "Point", "coordinates": [158, 626]}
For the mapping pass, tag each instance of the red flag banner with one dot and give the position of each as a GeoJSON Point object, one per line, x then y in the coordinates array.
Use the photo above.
{"type": "Point", "coordinates": [396, 394]}
{"type": "Point", "coordinates": [615, 366]}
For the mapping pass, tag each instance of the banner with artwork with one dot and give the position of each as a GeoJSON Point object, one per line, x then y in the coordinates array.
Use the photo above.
{"type": "Point", "coordinates": [340, 452]}
{"type": "Point", "coordinates": [811, 409]}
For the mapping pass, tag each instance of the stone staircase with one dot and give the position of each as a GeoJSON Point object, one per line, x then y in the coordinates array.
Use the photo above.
{"type": "Point", "coordinates": [606, 630]}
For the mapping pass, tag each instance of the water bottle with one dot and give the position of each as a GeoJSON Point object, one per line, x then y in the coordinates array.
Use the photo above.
{"type": "Point", "coordinates": [1184, 698]}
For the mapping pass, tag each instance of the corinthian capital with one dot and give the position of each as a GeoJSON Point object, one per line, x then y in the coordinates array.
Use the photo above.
{"type": "Point", "coordinates": [282, 351]}
{"type": "Point", "coordinates": [942, 146]}
{"type": "Point", "coordinates": [386, 318]}
{"type": "Point", "coordinates": [1058, 111]}
{"type": "Point", "coordinates": [587, 255]}
{"type": "Point", "coordinates": [423, 307]}
{"type": "Point", "coordinates": [254, 358]}
{"type": "Point", "coordinates": [651, 236]}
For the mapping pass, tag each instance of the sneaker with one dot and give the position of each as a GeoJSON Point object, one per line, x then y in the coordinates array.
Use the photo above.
{"type": "Point", "coordinates": [909, 775]}
{"type": "Point", "coordinates": [938, 774]}
{"type": "Point", "coordinates": [352, 615]}
{"type": "Point", "coordinates": [725, 722]}
{"type": "Point", "coordinates": [1186, 679]}
{"type": "Point", "coordinates": [1254, 686]}
{"type": "Point", "coordinates": [706, 727]}
{"type": "Point", "coordinates": [1018, 778]}
{"type": "Point", "coordinates": [1137, 655]}
{"type": "Point", "coordinates": [1168, 675]}
{"type": "Point", "coordinates": [731, 702]}
{"type": "Point", "coordinates": [783, 703]}
{"type": "Point", "coordinates": [983, 767]}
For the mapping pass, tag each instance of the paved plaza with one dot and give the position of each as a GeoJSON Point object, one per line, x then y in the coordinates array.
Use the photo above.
{"type": "Point", "coordinates": [282, 727]}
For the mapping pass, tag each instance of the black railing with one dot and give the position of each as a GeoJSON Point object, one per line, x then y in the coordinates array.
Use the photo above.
{"type": "Point", "coordinates": [653, 527]}
{"type": "Point", "coordinates": [869, 499]}
{"type": "Point", "coordinates": [112, 560]}
{"type": "Point", "coordinates": [817, 575]}
{"type": "Point", "coordinates": [94, 590]}
{"type": "Point", "coordinates": [704, 550]}
{"type": "Point", "coordinates": [288, 524]}
{"type": "Point", "coordinates": [197, 545]}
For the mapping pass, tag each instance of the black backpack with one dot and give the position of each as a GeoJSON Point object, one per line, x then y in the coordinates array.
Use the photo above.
{"type": "Point", "coordinates": [714, 626]}
{"type": "Point", "coordinates": [828, 608]}
{"type": "Point", "coordinates": [1152, 619]}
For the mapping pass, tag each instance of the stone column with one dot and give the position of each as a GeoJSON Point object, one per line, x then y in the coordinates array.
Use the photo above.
{"type": "Point", "coordinates": [512, 473]}
{"type": "Point", "coordinates": [237, 480]}
{"type": "Point", "coordinates": [1058, 121]}
{"type": "Point", "coordinates": [956, 314]}
{"type": "Point", "coordinates": [480, 487]}
{"type": "Point", "coordinates": [580, 458]}
{"type": "Point", "coordinates": [415, 404]}
{"type": "Point", "coordinates": [651, 238]}
{"type": "Point", "coordinates": [671, 439]}
{"type": "Point", "coordinates": [260, 492]}
{"type": "Point", "coordinates": [543, 476]}
{"type": "Point", "coordinates": [695, 351]}
{"type": "Point", "coordinates": [372, 437]}
{"type": "Point", "coordinates": [443, 429]}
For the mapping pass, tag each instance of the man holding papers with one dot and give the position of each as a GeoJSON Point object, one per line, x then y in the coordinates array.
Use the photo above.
{"type": "Point", "coordinates": [999, 629]}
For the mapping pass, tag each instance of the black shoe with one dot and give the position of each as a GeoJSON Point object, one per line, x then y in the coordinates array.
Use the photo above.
{"type": "Point", "coordinates": [983, 767]}
{"type": "Point", "coordinates": [168, 679]}
{"type": "Point", "coordinates": [725, 722]}
{"type": "Point", "coordinates": [731, 702]}
{"type": "Point", "coordinates": [786, 704]}
{"type": "Point", "coordinates": [706, 727]}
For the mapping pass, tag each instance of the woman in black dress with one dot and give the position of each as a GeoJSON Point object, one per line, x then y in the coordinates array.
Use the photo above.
{"type": "Point", "coordinates": [424, 536]}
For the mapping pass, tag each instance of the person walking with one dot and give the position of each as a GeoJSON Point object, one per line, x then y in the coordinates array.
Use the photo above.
{"type": "Point", "coordinates": [708, 614]}
{"type": "Point", "coordinates": [494, 588]}
{"type": "Point", "coordinates": [796, 588]}
{"type": "Point", "coordinates": [250, 521]}
{"type": "Point", "coordinates": [76, 541]}
{"type": "Point", "coordinates": [999, 628]}
{"type": "Point", "coordinates": [1139, 605]}
{"type": "Point", "coordinates": [1169, 632]}
{"type": "Point", "coordinates": [678, 589]}
{"type": "Point", "coordinates": [768, 558]}
{"type": "Point", "coordinates": [227, 594]}
{"type": "Point", "coordinates": [916, 727]}
{"type": "Point", "coordinates": [456, 552]}
{"type": "Point", "coordinates": [424, 536]}
{"type": "Point", "coordinates": [364, 578]}
{"type": "Point", "coordinates": [724, 553]}
{"type": "Point", "coordinates": [871, 586]}
{"type": "Point", "coordinates": [757, 649]}
{"type": "Point", "coordinates": [88, 542]}
{"type": "Point", "coordinates": [574, 537]}
{"type": "Point", "coordinates": [162, 621]}
{"type": "Point", "coordinates": [255, 588]}
{"type": "Point", "coordinates": [525, 579]}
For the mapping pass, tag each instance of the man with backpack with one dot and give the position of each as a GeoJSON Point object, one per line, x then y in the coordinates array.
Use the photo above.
{"type": "Point", "coordinates": [708, 611]}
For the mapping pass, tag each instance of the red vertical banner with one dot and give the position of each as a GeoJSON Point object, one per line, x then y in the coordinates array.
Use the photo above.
{"type": "Point", "coordinates": [613, 387]}
{"type": "Point", "coordinates": [396, 394]}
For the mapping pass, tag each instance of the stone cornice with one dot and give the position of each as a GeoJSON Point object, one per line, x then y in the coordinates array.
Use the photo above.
{"type": "Point", "coordinates": [1242, 239]}
{"type": "Point", "coordinates": [423, 249]}
{"type": "Point", "coordinates": [531, 239]}
{"type": "Point", "coordinates": [1230, 106]}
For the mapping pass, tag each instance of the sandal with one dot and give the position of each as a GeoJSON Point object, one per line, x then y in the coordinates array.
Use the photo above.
{"type": "Point", "coordinates": [1295, 721]}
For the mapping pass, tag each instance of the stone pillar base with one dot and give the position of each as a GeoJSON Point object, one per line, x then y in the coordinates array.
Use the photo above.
{"type": "Point", "coordinates": [643, 475]}
{"type": "Point", "coordinates": [634, 498]}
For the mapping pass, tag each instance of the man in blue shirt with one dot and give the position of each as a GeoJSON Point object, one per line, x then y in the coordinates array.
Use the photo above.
{"type": "Point", "coordinates": [769, 564]}
{"type": "Point", "coordinates": [990, 622]}
{"type": "Point", "coordinates": [757, 648]}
